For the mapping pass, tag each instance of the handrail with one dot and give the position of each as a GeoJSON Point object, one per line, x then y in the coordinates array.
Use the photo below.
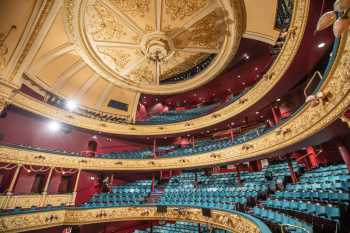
{"type": "Point", "coordinates": [290, 225]}
{"type": "Point", "coordinates": [316, 74]}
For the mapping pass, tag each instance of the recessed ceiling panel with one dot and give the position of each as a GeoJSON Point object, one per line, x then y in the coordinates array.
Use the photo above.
{"type": "Point", "coordinates": [136, 44]}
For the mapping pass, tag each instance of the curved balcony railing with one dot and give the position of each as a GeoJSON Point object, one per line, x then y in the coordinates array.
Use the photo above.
{"type": "Point", "coordinates": [229, 220]}
{"type": "Point", "coordinates": [289, 132]}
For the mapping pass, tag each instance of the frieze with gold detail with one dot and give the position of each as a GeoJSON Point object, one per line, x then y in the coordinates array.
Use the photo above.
{"type": "Point", "coordinates": [116, 38]}
{"type": "Point", "coordinates": [336, 86]}
{"type": "Point", "coordinates": [232, 221]}
{"type": "Point", "coordinates": [27, 201]}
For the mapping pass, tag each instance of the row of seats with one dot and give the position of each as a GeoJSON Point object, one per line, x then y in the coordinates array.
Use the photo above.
{"type": "Point", "coordinates": [219, 144]}
{"type": "Point", "coordinates": [322, 193]}
{"type": "Point", "coordinates": [178, 116]}
{"type": "Point", "coordinates": [331, 196]}
{"type": "Point", "coordinates": [327, 211]}
{"type": "Point", "coordinates": [313, 199]}
{"type": "Point", "coordinates": [128, 194]}
{"type": "Point", "coordinates": [200, 147]}
{"type": "Point", "coordinates": [283, 219]}
{"type": "Point", "coordinates": [181, 227]}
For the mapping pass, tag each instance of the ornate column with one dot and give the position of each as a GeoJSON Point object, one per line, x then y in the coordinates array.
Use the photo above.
{"type": "Point", "coordinates": [291, 170]}
{"type": "Point", "coordinates": [14, 179]}
{"type": "Point", "coordinates": [112, 179]}
{"type": "Point", "coordinates": [276, 117]}
{"type": "Point", "coordinates": [344, 152]}
{"type": "Point", "coordinates": [153, 187]}
{"type": "Point", "coordinates": [238, 175]}
{"type": "Point", "coordinates": [76, 186]}
{"type": "Point", "coordinates": [48, 181]}
{"type": "Point", "coordinates": [7, 91]}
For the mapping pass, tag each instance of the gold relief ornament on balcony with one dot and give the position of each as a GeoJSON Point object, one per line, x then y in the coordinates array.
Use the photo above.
{"type": "Point", "coordinates": [215, 155]}
{"type": "Point", "coordinates": [340, 24]}
{"type": "Point", "coordinates": [283, 131]}
{"type": "Point", "coordinates": [318, 98]}
{"type": "Point", "coordinates": [247, 147]}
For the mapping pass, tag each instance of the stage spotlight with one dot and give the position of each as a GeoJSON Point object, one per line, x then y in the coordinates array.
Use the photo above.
{"type": "Point", "coordinates": [71, 105]}
{"type": "Point", "coordinates": [54, 126]}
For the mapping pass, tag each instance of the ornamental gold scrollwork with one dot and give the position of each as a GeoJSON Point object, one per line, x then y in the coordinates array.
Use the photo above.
{"type": "Point", "coordinates": [27, 201]}
{"type": "Point", "coordinates": [30, 221]}
{"type": "Point", "coordinates": [3, 47]}
{"type": "Point", "coordinates": [183, 8]}
{"type": "Point", "coordinates": [136, 7]}
{"type": "Point", "coordinates": [283, 131]}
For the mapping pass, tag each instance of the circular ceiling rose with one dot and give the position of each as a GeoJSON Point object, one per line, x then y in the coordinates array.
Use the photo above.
{"type": "Point", "coordinates": [146, 45]}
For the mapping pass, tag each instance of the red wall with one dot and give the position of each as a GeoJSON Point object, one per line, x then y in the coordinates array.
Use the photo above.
{"type": "Point", "coordinates": [86, 187]}
{"type": "Point", "coordinates": [6, 179]}
{"type": "Point", "coordinates": [20, 127]}
{"type": "Point", "coordinates": [54, 184]}
{"type": "Point", "coordinates": [24, 182]}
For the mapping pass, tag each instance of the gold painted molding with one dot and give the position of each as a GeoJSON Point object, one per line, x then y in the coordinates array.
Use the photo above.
{"type": "Point", "coordinates": [263, 87]}
{"type": "Point", "coordinates": [27, 201]}
{"type": "Point", "coordinates": [7, 92]}
{"type": "Point", "coordinates": [231, 221]}
{"type": "Point", "coordinates": [305, 123]}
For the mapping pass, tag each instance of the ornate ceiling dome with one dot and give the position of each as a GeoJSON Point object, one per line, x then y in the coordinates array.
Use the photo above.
{"type": "Point", "coordinates": [142, 44]}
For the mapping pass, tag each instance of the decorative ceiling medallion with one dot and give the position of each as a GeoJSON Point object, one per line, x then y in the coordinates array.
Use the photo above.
{"type": "Point", "coordinates": [139, 44]}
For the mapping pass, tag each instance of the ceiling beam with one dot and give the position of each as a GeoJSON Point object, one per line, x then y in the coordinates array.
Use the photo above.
{"type": "Point", "coordinates": [129, 22]}
{"type": "Point", "coordinates": [197, 17]}
{"type": "Point", "coordinates": [49, 57]}
{"type": "Point", "coordinates": [87, 85]}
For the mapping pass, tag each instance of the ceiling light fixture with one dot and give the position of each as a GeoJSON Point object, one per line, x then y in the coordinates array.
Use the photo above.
{"type": "Point", "coordinates": [71, 105]}
{"type": "Point", "coordinates": [321, 45]}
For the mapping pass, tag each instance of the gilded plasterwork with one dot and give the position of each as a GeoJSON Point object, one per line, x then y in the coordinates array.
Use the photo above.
{"type": "Point", "coordinates": [233, 222]}
{"type": "Point", "coordinates": [105, 26]}
{"type": "Point", "coordinates": [179, 9]}
{"type": "Point", "coordinates": [99, 27]}
{"type": "Point", "coordinates": [27, 201]}
{"type": "Point", "coordinates": [118, 59]}
{"type": "Point", "coordinates": [141, 11]}
{"type": "Point", "coordinates": [204, 33]}
{"type": "Point", "coordinates": [181, 62]}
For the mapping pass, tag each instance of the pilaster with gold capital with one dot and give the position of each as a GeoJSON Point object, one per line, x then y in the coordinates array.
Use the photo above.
{"type": "Point", "coordinates": [7, 91]}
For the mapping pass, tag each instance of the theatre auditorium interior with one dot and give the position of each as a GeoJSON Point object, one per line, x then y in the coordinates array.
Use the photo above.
{"type": "Point", "coordinates": [175, 116]}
